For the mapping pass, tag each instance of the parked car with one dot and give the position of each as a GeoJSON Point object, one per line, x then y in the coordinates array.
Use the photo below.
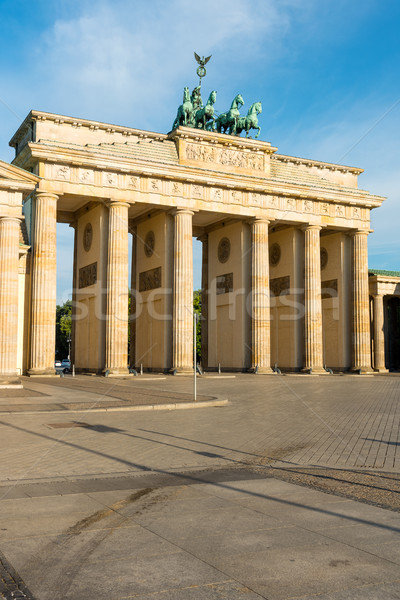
{"type": "Point", "coordinates": [66, 365]}
{"type": "Point", "coordinates": [57, 363]}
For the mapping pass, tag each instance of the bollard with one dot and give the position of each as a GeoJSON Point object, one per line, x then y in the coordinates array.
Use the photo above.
{"type": "Point", "coordinates": [219, 368]}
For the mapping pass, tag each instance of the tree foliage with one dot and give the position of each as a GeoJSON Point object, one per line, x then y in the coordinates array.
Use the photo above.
{"type": "Point", "coordinates": [63, 328]}
{"type": "Point", "coordinates": [197, 310]}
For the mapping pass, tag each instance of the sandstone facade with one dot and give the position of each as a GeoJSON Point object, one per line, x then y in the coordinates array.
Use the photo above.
{"type": "Point", "coordinates": [285, 266]}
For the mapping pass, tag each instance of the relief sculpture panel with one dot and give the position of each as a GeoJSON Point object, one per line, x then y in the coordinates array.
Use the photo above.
{"type": "Point", "coordinates": [225, 156]}
{"type": "Point", "coordinates": [150, 280]}
{"type": "Point", "coordinates": [88, 275]}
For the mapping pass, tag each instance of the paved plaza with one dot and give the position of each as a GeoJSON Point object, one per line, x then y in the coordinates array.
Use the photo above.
{"type": "Point", "coordinates": [276, 494]}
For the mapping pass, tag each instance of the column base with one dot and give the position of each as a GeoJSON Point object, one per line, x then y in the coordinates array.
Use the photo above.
{"type": "Point", "coordinates": [362, 370]}
{"type": "Point", "coordinates": [42, 373]}
{"type": "Point", "coordinates": [381, 370]}
{"type": "Point", "coordinates": [314, 371]}
{"type": "Point", "coordinates": [261, 371]}
{"type": "Point", "coordinates": [10, 382]}
{"type": "Point", "coordinates": [117, 372]}
{"type": "Point", "coordinates": [182, 371]}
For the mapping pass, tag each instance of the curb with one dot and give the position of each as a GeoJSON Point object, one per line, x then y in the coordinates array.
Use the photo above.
{"type": "Point", "coordinates": [139, 407]}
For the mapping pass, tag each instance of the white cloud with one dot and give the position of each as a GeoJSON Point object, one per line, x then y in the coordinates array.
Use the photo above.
{"type": "Point", "coordinates": [126, 60]}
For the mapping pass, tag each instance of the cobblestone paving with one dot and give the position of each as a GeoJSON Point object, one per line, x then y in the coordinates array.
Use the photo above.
{"type": "Point", "coordinates": [11, 584]}
{"type": "Point", "coordinates": [337, 422]}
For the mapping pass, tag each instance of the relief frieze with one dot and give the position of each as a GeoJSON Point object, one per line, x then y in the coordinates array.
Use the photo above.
{"type": "Point", "coordinates": [110, 179]}
{"type": "Point", "coordinates": [225, 156]}
{"type": "Point", "coordinates": [86, 175]}
{"type": "Point", "coordinates": [177, 188]}
{"type": "Point", "coordinates": [62, 172]}
{"type": "Point", "coordinates": [134, 182]}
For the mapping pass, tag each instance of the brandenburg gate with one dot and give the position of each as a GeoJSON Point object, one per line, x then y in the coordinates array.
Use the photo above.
{"type": "Point", "coordinates": [284, 251]}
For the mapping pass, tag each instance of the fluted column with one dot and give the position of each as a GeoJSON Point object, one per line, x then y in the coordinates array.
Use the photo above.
{"type": "Point", "coordinates": [260, 318]}
{"type": "Point", "coordinates": [132, 316]}
{"type": "Point", "coordinates": [313, 355]}
{"type": "Point", "coordinates": [182, 349]}
{"type": "Point", "coordinates": [44, 282]}
{"type": "Point", "coordinates": [117, 290]}
{"type": "Point", "coordinates": [379, 338]}
{"type": "Point", "coordinates": [204, 301]}
{"type": "Point", "coordinates": [361, 350]}
{"type": "Point", "coordinates": [9, 255]}
{"type": "Point", "coordinates": [74, 296]}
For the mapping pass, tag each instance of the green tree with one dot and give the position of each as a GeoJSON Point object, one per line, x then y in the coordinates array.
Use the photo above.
{"type": "Point", "coordinates": [63, 329]}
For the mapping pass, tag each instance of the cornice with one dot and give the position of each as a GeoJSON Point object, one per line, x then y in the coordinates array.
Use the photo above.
{"type": "Point", "coordinates": [221, 139]}
{"type": "Point", "coordinates": [34, 152]}
{"type": "Point", "coordinates": [37, 115]}
{"type": "Point", "coordinates": [317, 163]}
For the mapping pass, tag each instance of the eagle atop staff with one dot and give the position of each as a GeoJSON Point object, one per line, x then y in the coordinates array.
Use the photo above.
{"type": "Point", "coordinates": [201, 70]}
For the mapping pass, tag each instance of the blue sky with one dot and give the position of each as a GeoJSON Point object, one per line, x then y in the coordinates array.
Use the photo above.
{"type": "Point", "coordinates": [326, 72]}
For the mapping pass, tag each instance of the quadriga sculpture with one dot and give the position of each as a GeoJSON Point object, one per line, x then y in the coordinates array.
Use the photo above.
{"type": "Point", "coordinates": [204, 117]}
{"type": "Point", "coordinates": [228, 121]}
{"type": "Point", "coordinates": [250, 121]}
{"type": "Point", "coordinates": [185, 111]}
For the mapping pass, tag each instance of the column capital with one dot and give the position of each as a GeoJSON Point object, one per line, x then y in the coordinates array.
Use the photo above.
{"type": "Point", "coordinates": [182, 211]}
{"type": "Point", "coordinates": [117, 203]}
{"type": "Point", "coordinates": [355, 232]}
{"type": "Point", "coordinates": [44, 194]}
{"type": "Point", "coordinates": [11, 218]}
{"type": "Point", "coordinates": [311, 227]}
{"type": "Point", "coordinates": [255, 220]}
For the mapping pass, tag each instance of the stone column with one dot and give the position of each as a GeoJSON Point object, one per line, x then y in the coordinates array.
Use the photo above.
{"type": "Point", "coordinates": [9, 256]}
{"type": "Point", "coordinates": [260, 300]}
{"type": "Point", "coordinates": [132, 316]}
{"type": "Point", "coordinates": [204, 301]}
{"type": "Point", "coordinates": [182, 343]}
{"type": "Point", "coordinates": [43, 287]}
{"type": "Point", "coordinates": [74, 295]}
{"type": "Point", "coordinates": [313, 359]}
{"type": "Point", "coordinates": [117, 291]}
{"type": "Point", "coordinates": [361, 350]}
{"type": "Point", "coordinates": [379, 338]}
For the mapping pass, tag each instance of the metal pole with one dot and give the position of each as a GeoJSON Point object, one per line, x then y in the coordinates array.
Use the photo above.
{"type": "Point", "coordinates": [194, 357]}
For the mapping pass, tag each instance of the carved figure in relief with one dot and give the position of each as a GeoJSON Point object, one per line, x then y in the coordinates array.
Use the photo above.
{"type": "Point", "coordinates": [197, 191]}
{"type": "Point", "coordinates": [228, 121]}
{"type": "Point", "coordinates": [324, 208]}
{"type": "Point", "coordinates": [184, 114]}
{"type": "Point", "coordinates": [339, 210]}
{"type": "Point", "coordinates": [176, 188]}
{"type": "Point", "coordinates": [255, 161]}
{"type": "Point", "coordinates": [110, 178]}
{"type": "Point", "coordinates": [63, 172]}
{"type": "Point", "coordinates": [236, 197]}
{"type": "Point", "coordinates": [134, 182]}
{"type": "Point", "coordinates": [308, 205]}
{"type": "Point", "coordinates": [85, 175]}
{"type": "Point", "coordinates": [250, 121]}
